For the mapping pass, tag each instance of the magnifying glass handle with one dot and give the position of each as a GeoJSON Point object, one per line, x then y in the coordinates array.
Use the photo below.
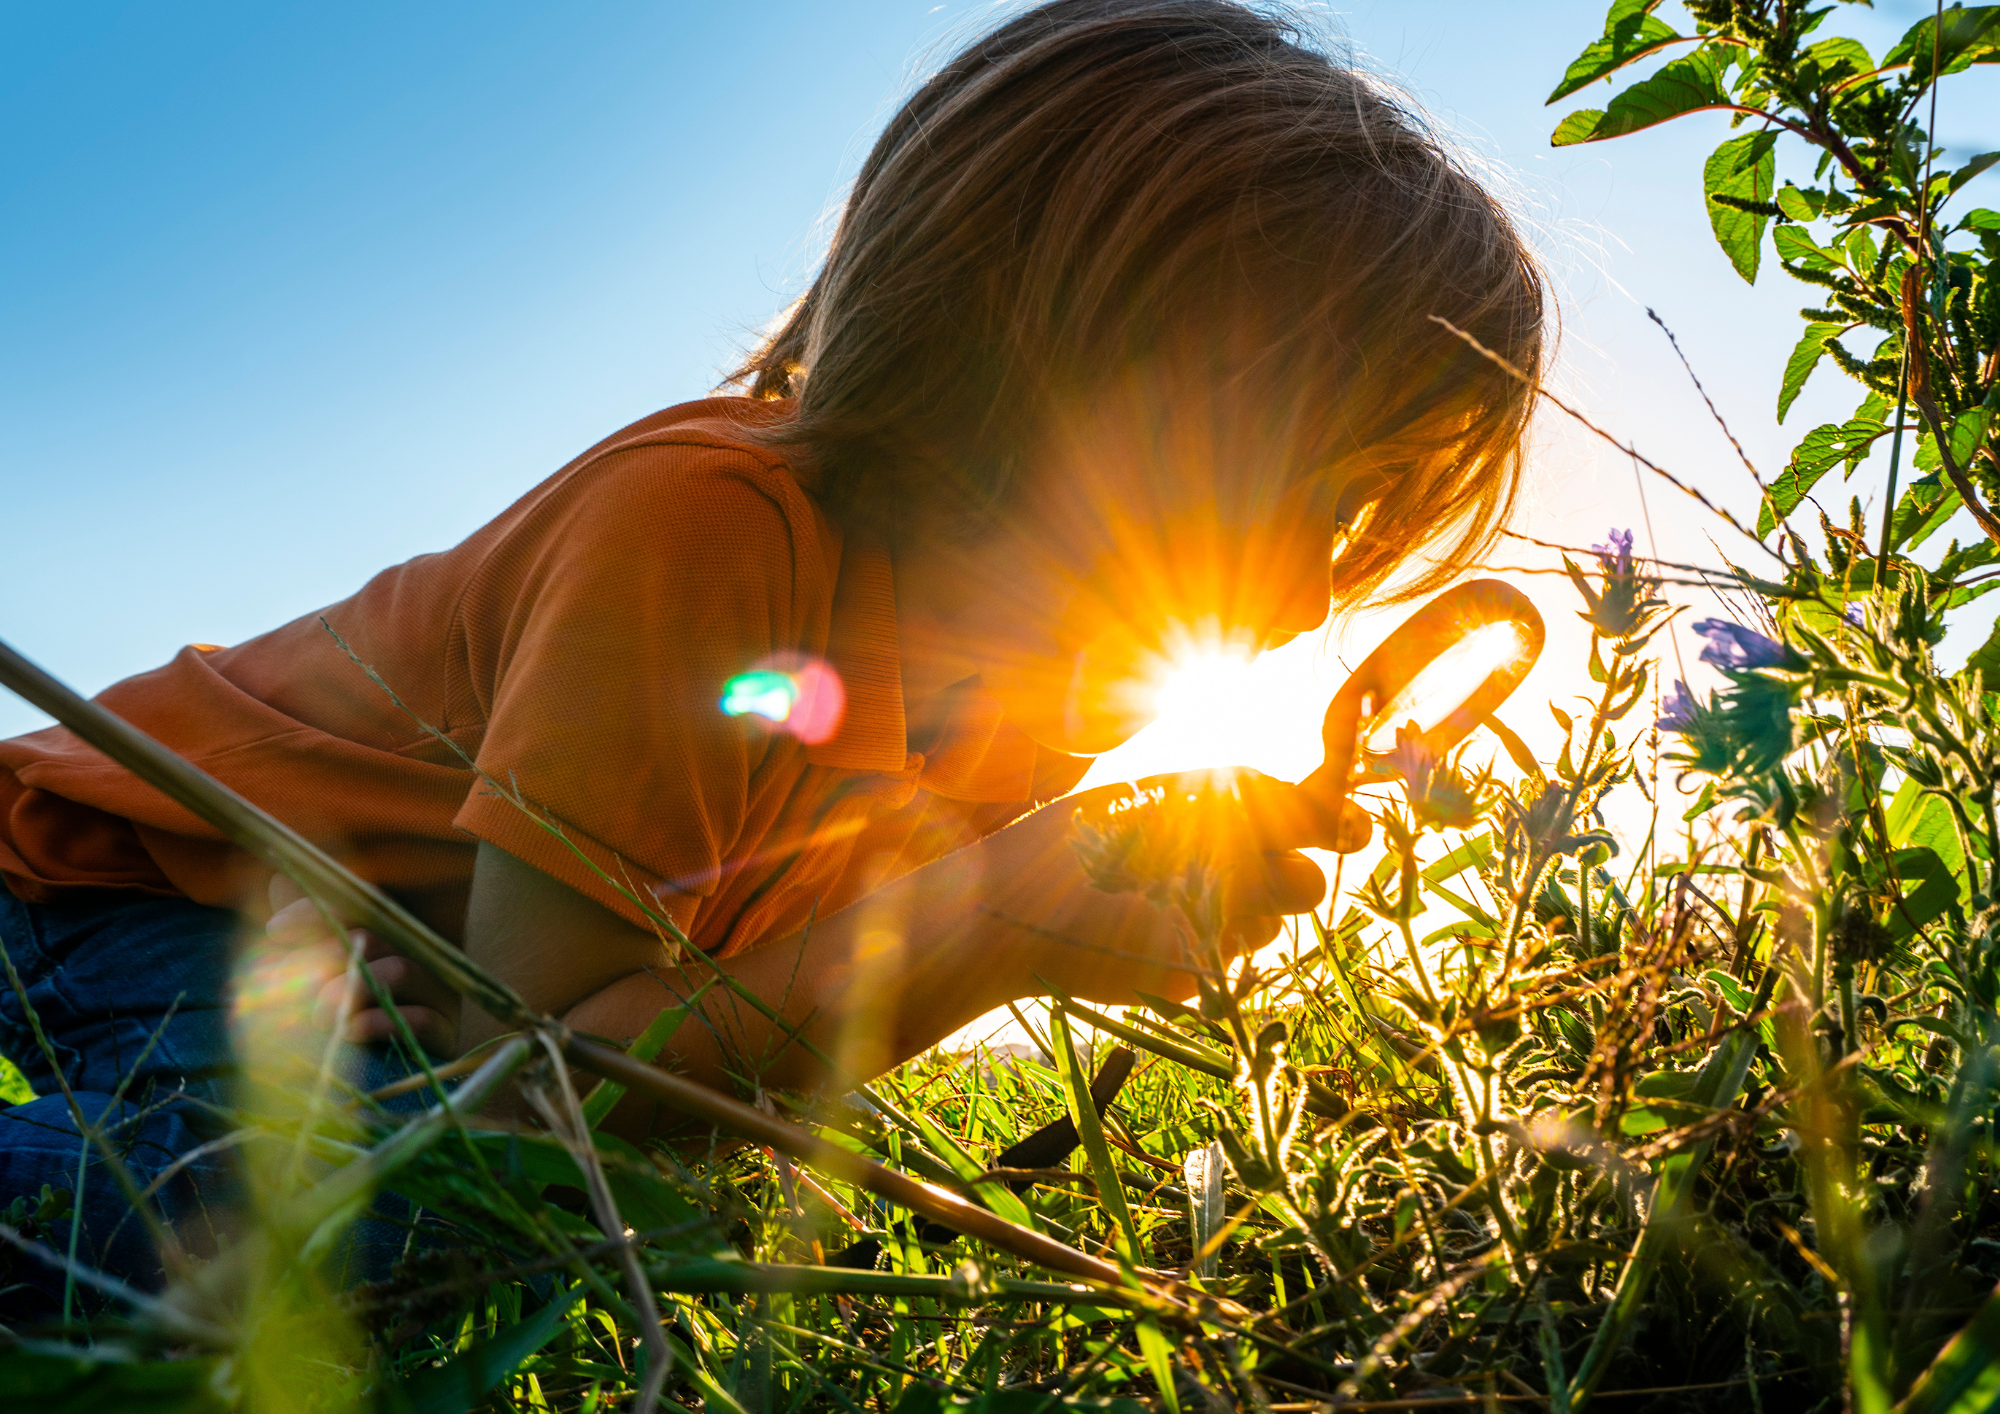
{"type": "Point", "coordinates": [1333, 777]}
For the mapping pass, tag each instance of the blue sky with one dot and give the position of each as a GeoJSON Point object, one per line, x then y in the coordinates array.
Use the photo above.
{"type": "Point", "coordinates": [289, 293]}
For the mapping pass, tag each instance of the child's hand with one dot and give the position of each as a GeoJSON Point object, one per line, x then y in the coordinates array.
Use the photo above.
{"type": "Point", "coordinates": [428, 1006]}
{"type": "Point", "coordinates": [1247, 828]}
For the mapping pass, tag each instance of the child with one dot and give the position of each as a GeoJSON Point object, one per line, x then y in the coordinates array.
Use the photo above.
{"type": "Point", "coordinates": [1125, 333]}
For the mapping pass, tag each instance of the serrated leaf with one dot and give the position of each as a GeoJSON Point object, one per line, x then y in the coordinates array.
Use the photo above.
{"type": "Point", "coordinates": [1805, 358]}
{"type": "Point", "coordinates": [1627, 37]}
{"type": "Point", "coordinates": [1684, 86]}
{"type": "Point", "coordinates": [1746, 168]}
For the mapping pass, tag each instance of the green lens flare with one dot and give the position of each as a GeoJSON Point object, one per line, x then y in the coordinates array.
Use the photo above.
{"type": "Point", "coordinates": [765, 694]}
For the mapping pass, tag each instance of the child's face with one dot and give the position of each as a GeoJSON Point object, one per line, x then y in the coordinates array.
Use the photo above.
{"type": "Point", "coordinates": [1145, 528]}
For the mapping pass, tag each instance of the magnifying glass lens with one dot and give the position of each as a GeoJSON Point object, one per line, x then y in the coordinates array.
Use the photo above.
{"type": "Point", "coordinates": [1446, 683]}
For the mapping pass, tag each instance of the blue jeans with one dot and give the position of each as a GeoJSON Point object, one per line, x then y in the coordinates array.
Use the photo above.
{"type": "Point", "coordinates": [133, 996]}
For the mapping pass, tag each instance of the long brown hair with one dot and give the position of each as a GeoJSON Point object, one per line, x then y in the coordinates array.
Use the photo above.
{"type": "Point", "coordinates": [1097, 180]}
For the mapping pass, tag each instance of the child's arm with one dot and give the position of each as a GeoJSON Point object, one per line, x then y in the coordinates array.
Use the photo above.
{"type": "Point", "coordinates": [871, 985]}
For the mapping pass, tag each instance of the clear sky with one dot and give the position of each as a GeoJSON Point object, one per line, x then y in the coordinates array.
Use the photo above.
{"type": "Point", "coordinates": [290, 293]}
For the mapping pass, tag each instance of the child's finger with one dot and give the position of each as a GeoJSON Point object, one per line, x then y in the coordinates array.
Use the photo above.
{"type": "Point", "coordinates": [284, 893]}
{"type": "Point", "coordinates": [301, 924]}
{"type": "Point", "coordinates": [1286, 816]}
{"type": "Point", "coordinates": [432, 1029]}
{"type": "Point", "coordinates": [1246, 935]}
{"type": "Point", "coordinates": [1274, 883]}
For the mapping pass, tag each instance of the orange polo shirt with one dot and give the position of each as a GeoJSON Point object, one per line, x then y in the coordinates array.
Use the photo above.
{"type": "Point", "coordinates": [576, 649]}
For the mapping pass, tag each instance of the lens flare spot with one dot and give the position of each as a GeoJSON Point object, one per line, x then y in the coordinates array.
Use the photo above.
{"type": "Point", "coordinates": [808, 702]}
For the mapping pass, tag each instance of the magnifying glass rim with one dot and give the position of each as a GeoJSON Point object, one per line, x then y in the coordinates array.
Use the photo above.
{"type": "Point", "coordinates": [1414, 645]}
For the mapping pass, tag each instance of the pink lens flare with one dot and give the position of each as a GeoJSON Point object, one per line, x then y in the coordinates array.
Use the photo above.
{"type": "Point", "coordinates": [808, 701]}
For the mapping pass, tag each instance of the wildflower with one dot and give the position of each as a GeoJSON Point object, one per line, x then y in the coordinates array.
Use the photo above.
{"type": "Point", "coordinates": [1709, 736]}
{"type": "Point", "coordinates": [1853, 614]}
{"type": "Point", "coordinates": [1440, 795]}
{"type": "Point", "coordinates": [1734, 648]}
{"type": "Point", "coordinates": [1625, 604]}
{"type": "Point", "coordinates": [1681, 708]}
{"type": "Point", "coordinates": [1615, 558]}
{"type": "Point", "coordinates": [1163, 841]}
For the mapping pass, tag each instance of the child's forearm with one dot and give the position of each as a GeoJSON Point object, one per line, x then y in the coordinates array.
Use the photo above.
{"type": "Point", "coordinates": [875, 984]}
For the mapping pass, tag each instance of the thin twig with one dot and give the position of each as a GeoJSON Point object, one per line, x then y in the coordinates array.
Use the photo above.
{"type": "Point", "coordinates": [1627, 448]}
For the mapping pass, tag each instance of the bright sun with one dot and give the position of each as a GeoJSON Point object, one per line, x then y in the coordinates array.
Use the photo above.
{"type": "Point", "coordinates": [1213, 703]}
{"type": "Point", "coordinates": [1211, 685]}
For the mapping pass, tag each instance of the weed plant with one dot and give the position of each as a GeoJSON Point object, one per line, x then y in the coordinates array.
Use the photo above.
{"type": "Point", "coordinates": [1536, 1116]}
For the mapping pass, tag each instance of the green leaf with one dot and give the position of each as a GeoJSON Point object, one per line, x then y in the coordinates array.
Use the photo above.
{"type": "Point", "coordinates": [1923, 511]}
{"type": "Point", "coordinates": [1917, 818]}
{"type": "Point", "coordinates": [1986, 658]}
{"type": "Point", "coordinates": [1970, 170]}
{"type": "Point", "coordinates": [1186, 1052]}
{"type": "Point", "coordinates": [1817, 453]}
{"type": "Point", "coordinates": [1965, 1377]}
{"type": "Point", "coordinates": [1090, 1129]}
{"type": "Point", "coordinates": [1795, 247]}
{"type": "Point", "coordinates": [997, 1196]}
{"type": "Point", "coordinates": [462, 1382]}
{"type": "Point", "coordinates": [1159, 1351]}
{"type": "Point", "coordinates": [1474, 853]}
{"type": "Point", "coordinates": [602, 1099]}
{"type": "Point", "coordinates": [1630, 34]}
{"type": "Point", "coordinates": [1980, 219]}
{"type": "Point", "coordinates": [1831, 60]}
{"type": "Point", "coordinates": [50, 1383]}
{"type": "Point", "coordinates": [1746, 168]}
{"type": "Point", "coordinates": [1968, 37]}
{"type": "Point", "coordinates": [1805, 358]}
{"type": "Point", "coordinates": [1684, 86]}
{"type": "Point", "coordinates": [1799, 205]}
{"type": "Point", "coordinates": [1929, 888]}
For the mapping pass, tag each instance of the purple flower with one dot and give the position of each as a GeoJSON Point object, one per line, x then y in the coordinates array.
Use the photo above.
{"type": "Point", "coordinates": [1615, 558]}
{"type": "Point", "coordinates": [1734, 648]}
{"type": "Point", "coordinates": [1412, 758]}
{"type": "Point", "coordinates": [1853, 614]}
{"type": "Point", "coordinates": [1623, 603]}
{"type": "Point", "coordinates": [1680, 705]}
{"type": "Point", "coordinates": [1439, 794]}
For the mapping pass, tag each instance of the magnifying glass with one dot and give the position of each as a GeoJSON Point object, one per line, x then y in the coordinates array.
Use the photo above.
{"type": "Point", "coordinates": [1445, 669]}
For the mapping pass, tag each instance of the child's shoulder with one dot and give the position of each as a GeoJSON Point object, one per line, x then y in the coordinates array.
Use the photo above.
{"type": "Point", "coordinates": [694, 465]}
{"type": "Point", "coordinates": [711, 437]}
{"type": "Point", "coordinates": [687, 503]}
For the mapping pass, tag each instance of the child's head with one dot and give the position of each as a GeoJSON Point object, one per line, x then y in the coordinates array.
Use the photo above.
{"type": "Point", "coordinates": [1155, 269]}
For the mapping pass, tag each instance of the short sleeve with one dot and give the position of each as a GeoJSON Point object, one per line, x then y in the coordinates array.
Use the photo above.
{"type": "Point", "coordinates": [601, 634]}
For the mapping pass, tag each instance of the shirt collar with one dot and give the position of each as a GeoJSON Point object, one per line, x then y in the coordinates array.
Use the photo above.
{"type": "Point", "coordinates": [980, 756]}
